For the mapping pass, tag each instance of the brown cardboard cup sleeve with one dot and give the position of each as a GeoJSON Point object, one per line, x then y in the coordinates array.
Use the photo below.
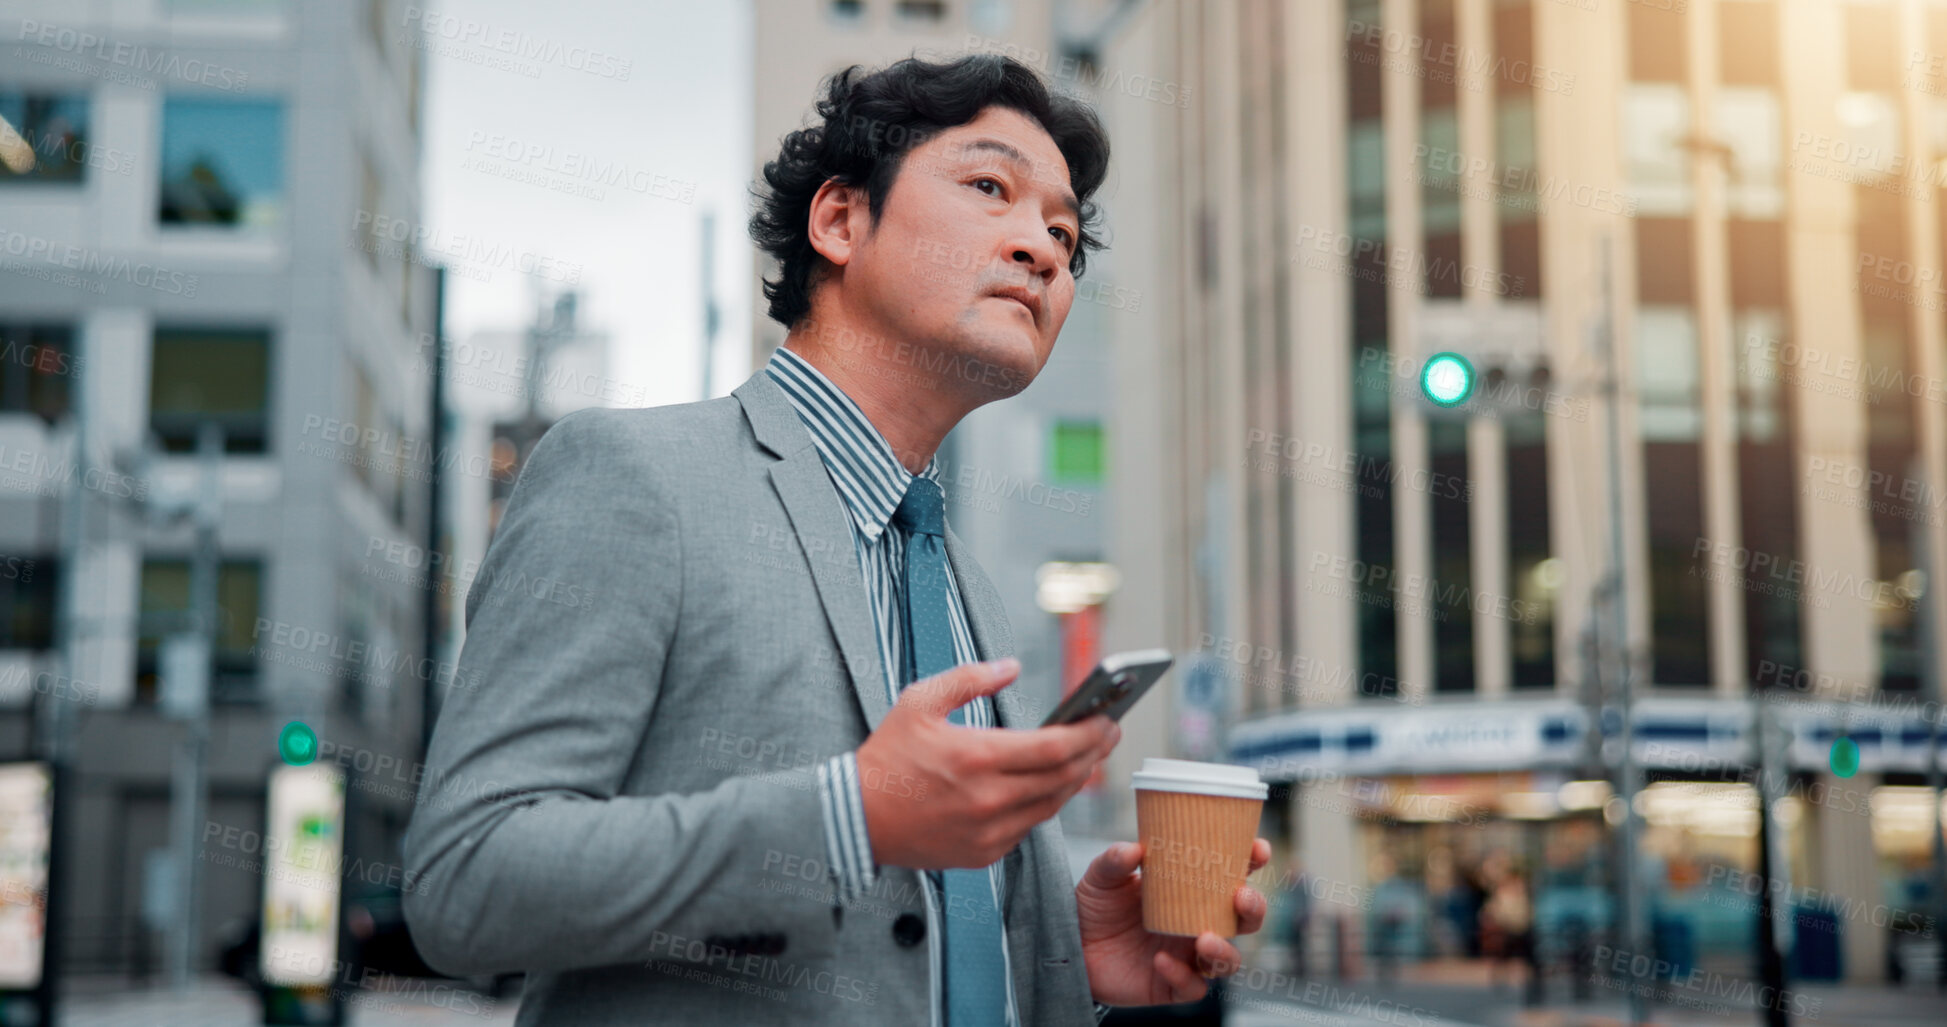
{"type": "Point", "coordinates": [1197, 822]}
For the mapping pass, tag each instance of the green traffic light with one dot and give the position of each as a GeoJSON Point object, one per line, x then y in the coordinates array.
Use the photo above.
{"type": "Point", "coordinates": [297, 743]}
{"type": "Point", "coordinates": [1447, 379]}
{"type": "Point", "coordinates": [1845, 756]}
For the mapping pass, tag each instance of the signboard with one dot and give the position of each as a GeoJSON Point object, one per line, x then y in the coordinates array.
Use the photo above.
{"type": "Point", "coordinates": [184, 660]}
{"type": "Point", "coordinates": [26, 830]}
{"type": "Point", "coordinates": [1697, 735]}
{"type": "Point", "coordinates": [304, 846]}
{"type": "Point", "coordinates": [1450, 738]}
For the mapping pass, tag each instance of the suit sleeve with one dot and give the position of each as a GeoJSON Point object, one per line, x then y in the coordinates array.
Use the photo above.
{"type": "Point", "coordinates": [522, 853]}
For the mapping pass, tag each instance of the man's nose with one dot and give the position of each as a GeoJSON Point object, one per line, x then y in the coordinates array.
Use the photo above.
{"type": "Point", "coordinates": [1038, 260]}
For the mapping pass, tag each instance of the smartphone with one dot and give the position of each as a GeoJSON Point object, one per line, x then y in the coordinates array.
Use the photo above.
{"type": "Point", "coordinates": [1112, 687]}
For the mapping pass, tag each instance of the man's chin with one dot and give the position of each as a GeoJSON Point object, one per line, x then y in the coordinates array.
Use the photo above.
{"type": "Point", "coordinates": [998, 370]}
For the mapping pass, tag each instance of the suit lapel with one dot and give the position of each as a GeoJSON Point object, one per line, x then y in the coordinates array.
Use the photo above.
{"type": "Point", "coordinates": [824, 536]}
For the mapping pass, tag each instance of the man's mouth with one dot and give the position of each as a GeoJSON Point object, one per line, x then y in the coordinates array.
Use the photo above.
{"type": "Point", "coordinates": [1022, 296]}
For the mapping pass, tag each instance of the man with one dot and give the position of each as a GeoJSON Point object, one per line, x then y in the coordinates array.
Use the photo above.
{"type": "Point", "coordinates": [751, 773]}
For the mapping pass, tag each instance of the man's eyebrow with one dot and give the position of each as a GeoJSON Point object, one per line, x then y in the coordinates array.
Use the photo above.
{"type": "Point", "coordinates": [1015, 156]}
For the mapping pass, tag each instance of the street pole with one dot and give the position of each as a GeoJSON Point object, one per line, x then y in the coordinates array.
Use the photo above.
{"type": "Point", "coordinates": [429, 696]}
{"type": "Point", "coordinates": [1772, 767]}
{"type": "Point", "coordinates": [708, 285]}
{"type": "Point", "coordinates": [54, 713]}
{"type": "Point", "coordinates": [1628, 774]}
{"type": "Point", "coordinates": [189, 776]}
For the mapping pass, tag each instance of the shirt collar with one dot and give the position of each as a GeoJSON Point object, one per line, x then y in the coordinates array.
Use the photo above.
{"type": "Point", "coordinates": [870, 479]}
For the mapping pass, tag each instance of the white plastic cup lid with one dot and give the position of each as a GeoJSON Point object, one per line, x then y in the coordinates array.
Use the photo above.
{"type": "Point", "coordinates": [1221, 779]}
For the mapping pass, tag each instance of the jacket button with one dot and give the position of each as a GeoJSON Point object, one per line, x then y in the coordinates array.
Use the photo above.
{"type": "Point", "coordinates": [909, 929]}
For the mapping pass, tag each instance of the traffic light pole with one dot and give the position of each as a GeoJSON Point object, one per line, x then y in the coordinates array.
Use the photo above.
{"type": "Point", "coordinates": [1628, 773]}
{"type": "Point", "coordinates": [189, 784]}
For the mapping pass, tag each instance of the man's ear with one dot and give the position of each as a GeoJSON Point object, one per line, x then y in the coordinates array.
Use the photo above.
{"type": "Point", "coordinates": [839, 219]}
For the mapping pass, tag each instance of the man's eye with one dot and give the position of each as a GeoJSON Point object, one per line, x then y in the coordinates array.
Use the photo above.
{"type": "Point", "coordinates": [1062, 235]}
{"type": "Point", "coordinates": [978, 182]}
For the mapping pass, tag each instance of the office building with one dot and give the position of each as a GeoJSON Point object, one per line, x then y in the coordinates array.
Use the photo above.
{"type": "Point", "coordinates": [208, 216]}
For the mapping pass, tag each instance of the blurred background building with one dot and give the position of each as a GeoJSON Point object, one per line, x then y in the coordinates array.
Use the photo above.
{"type": "Point", "coordinates": [207, 210]}
{"type": "Point", "coordinates": [1409, 605]}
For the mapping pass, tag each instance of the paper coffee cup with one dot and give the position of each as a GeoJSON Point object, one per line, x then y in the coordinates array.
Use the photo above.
{"type": "Point", "coordinates": [1197, 822]}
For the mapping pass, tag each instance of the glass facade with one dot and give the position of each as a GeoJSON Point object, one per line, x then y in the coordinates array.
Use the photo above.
{"type": "Point", "coordinates": [1371, 386]}
{"type": "Point", "coordinates": [222, 163]}
{"type": "Point", "coordinates": [44, 138]}
{"type": "Point", "coordinates": [165, 610]}
{"type": "Point", "coordinates": [1451, 599]}
{"type": "Point", "coordinates": [1869, 112]}
{"type": "Point", "coordinates": [210, 374]}
{"type": "Point", "coordinates": [1440, 253]}
{"type": "Point", "coordinates": [37, 368]}
{"type": "Point", "coordinates": [1517, 209]}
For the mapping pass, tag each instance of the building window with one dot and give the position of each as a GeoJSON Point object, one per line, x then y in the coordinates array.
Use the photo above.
{"type": "Point", "coordinates": [221, 375]}
{"type": "Point", "coordinates": [222, 163]}
{"type": "Point", "coordinates": [1667, 379]}
{"type": "Point", "coordinates": [44, 138]}
{"type": "Point", "coordinates": [1517, 207]}
{"type": "Point", "coordinates": [1747, 43]}
{"type": "Point", "coordinates": [920, 10]}
{"type": "Point", "coordinates": [1658, 42]}
{"type": "Point", "coordinates": [1873, 47]}
{"type": "Point", "coordinates": [37, 369]}
{"type": "Point", "coordinates": [1767, 473]}
{"type": "Point", "coordinates": [1533, 576]}
{"type": "Point", "coordinates": [1871, 124]}
{"type": "Point", "coordinates": [1655, 122]}
{"type": "Point", "coordinates": [29, 597]}
{"type": "Point", "coordinates": [164, 606]}
{"type": "Point", "coordinates": [1440, 141]}
{"type": "Point", "coordinates": [1365, 157]}
{"type": "Point", "coordinates": [1453, 588]}
{"type": "Point", "coordinates": [1750, 122]}
{"type": "Point", "coordinates": [847, 11]}
{"type": "Point", "coordinates": [1671, 424]}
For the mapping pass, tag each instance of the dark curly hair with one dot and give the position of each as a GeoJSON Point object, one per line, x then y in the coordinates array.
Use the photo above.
{"type": "Point", "coordinates": [870, 121]}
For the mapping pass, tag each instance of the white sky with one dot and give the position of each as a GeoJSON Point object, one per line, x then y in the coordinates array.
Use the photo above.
{"type": "Point", "coordinates": [682, 113]}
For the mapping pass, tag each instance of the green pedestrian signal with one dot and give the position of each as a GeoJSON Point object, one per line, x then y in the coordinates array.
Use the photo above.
{"type": "Point", "coordinates": [298, 744]}
{"type": "Point", "coordinates": [1447, 379]}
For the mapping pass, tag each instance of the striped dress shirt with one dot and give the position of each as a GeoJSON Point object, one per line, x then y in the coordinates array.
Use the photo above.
{"type": "Point", "coordinates": [872, 482]}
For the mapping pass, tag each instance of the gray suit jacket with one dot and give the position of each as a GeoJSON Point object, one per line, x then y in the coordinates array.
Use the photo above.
{"type": "Point", "coordinates": [667, 634]}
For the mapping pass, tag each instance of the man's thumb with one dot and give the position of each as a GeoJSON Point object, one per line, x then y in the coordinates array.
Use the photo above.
{"type": "Point", "coordinates": [949, 690]}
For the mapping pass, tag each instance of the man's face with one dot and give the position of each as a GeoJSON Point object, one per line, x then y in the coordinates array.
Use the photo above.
{"type": "Point", "coordinates": [969, 259]}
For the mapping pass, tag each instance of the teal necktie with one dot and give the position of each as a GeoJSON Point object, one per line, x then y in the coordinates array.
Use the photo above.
{"type": "Point", "coordinates": [976, 974]}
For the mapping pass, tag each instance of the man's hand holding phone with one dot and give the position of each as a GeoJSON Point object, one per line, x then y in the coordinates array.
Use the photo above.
{"type": "Point", "coordinates": [940, 795]}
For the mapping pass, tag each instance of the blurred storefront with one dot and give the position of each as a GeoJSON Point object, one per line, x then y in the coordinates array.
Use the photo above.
{"type": "Point", "coordinates": [1452, 798]}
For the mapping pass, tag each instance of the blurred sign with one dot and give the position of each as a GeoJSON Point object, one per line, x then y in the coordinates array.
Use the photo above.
{"type": "Point", "coordinates": [1668, 733]}
{"type": "Point", "coordinates": [26, 822]}
{"type": "Point", "coordinates": [1081, 646]}
{"type": "Point", "coordinates": [1391, 740]}
{"type": "Point", "coordinates": [185, 666]}
{"type": "Point", "coordinates": [304, 845]}
{"type": "Point", "coordinates": [159, 886]}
